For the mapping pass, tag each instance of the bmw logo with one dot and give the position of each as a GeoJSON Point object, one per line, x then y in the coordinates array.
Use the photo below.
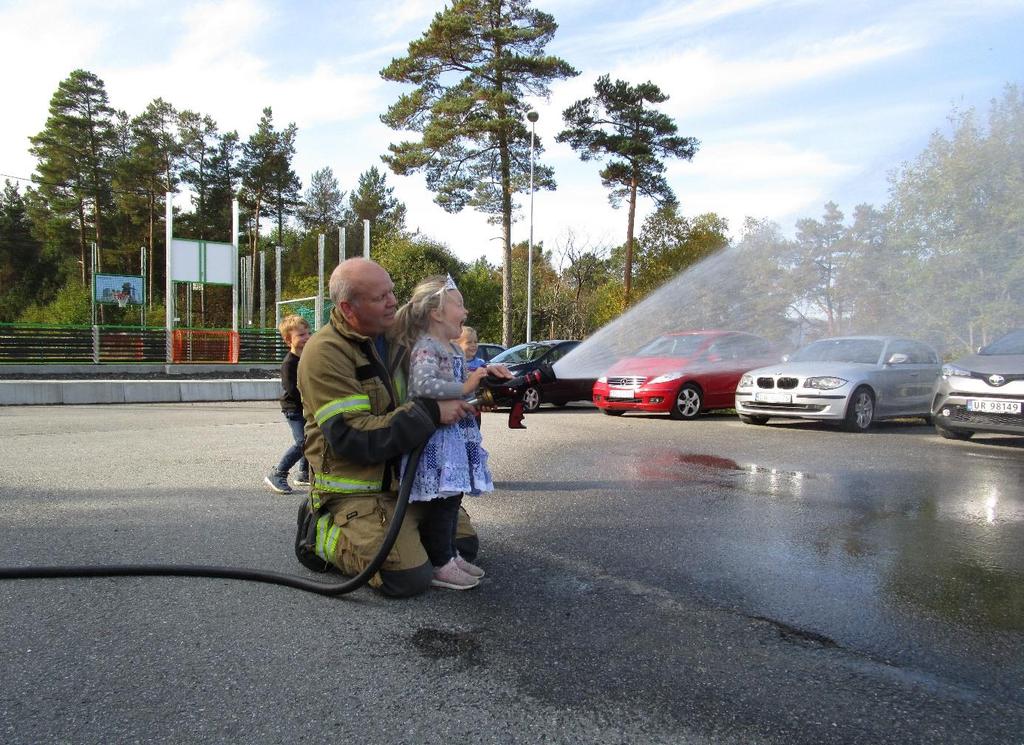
{"type": "Point", "coordinates": [996, 380]}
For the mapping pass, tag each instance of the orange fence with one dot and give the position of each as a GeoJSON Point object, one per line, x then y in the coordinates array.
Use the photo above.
{"type": "Point", "coordinates": [195, 345]}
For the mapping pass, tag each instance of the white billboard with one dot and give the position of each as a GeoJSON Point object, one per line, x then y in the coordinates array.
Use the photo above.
{"type": "Point", "coordinates": [202, 261]}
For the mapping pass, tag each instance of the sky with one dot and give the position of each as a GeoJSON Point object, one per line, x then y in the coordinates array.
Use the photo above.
{"type": "Point", "coordinates": [795, 103]}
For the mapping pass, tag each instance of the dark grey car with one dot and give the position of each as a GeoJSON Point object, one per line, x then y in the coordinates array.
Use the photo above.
{"type": "Point", "coordinates": [982, 392]}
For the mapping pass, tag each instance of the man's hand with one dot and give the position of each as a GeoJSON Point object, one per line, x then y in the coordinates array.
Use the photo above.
{"type": "Point", "coordinates": [453, 410]}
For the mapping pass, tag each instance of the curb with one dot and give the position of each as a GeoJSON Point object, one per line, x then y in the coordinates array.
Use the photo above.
{"type": "Point", "coordinates": [56, 392]}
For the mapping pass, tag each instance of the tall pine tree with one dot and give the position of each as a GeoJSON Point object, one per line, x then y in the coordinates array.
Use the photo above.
{"type": "Point", "coordinates": [473, 68]}
{"type": "Point", "coordinates": [74, 150]}
{"type": "Point", "coordinates": [619, 123]}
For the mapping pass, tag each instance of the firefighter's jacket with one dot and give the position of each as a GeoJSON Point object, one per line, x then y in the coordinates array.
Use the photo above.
{"type": "Point", "coordinates": [357, 426]}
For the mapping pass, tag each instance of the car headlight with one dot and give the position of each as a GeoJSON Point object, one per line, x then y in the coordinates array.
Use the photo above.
{"type": "Point", "coordinates": [603, 379]}
{"type": "Point", "coordinates": [825, 383]}
{"type": "Point", "coordinates": [952, 371]}
{"type": "Point", "coordinates": [747, 381]}
{"type": "Point", "coordinates": [666, 378]}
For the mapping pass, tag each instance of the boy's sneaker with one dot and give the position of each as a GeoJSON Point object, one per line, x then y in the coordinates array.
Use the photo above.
{"type": "Point", "coordinates": [301, 479]}
{"type": "Point", "coordinates": [278, 482]}
{"type": "Point", "coordinates": [451, 577]}
{"type": "Point", "coordinates": [471, 569]}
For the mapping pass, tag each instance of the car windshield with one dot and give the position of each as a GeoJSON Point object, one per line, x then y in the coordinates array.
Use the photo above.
{"type": "Point", "coordinates": [1012, 343]}
{"type": "Point", "coordinates": [866, 351]}
{"type": "Point", "coordinates": [523, 353]}
{"type": "Point", "coordinates": [673, 346]}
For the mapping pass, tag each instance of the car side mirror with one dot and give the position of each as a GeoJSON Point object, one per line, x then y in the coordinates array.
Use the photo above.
{"type": "Point", "coordinates": [898, 359]}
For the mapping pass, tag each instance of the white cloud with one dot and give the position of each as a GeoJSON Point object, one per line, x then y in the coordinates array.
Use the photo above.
{"type": "Point", "coordinates": [397, 15]}
{"type": "Point", "coordinates": [41, 62]}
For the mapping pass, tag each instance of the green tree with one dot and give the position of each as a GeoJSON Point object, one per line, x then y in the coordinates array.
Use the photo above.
{"type": "Point", "coordinates": [670, 243]}
{"type": "Point", "coordinates": [619, 123]}
{"type": "Point", "coordinates": [473, 68]}
{"type": "Point", "coordinates": [285, 183]}
{"type": "Point", "coordinates": [74, 152]}
{"type": "Point", "coordinates": [956, 210]}
{"type": "Point", "coordinates": [199, 139]}
{"type": "Point", "coordinates": [322, 211]}
{"type": "Point", "coordinates": [224, 184]}
{"type": "Point", "coordinates": [480, 285]}
{"type": "Point", "coordinates": [259, 168]}
{"type": "Point", "coordinates": [374, 200]}
{"type": "Point", "coordinates": [323, 206]}
{"type": "Point", "coordinates": [408, 259]}
{"type": "Point", "coordinates": [146, 172]}
{"type": "Point", "coordinates": [22, 269]}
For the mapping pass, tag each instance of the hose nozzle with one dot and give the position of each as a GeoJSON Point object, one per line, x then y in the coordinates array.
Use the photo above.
{"type": "Point", "coordinates": [494, 390]}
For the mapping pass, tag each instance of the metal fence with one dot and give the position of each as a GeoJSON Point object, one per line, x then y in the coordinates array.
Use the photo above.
{"type": "Point", "coordinates": [27, 344]}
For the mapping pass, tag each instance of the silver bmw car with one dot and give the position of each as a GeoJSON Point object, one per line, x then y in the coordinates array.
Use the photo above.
{"type": "Point", "coordinates": [983, 392]}
{"type": "Point", "coordinates": [854, 380]}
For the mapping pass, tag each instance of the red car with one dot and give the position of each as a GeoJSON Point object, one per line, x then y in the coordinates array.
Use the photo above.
{"type": "Point", "coordinates": [683, 373]}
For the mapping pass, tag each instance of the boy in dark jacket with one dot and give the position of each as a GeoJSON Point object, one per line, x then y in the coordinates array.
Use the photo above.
{"type": "Point", "coordinates": [295, 332]}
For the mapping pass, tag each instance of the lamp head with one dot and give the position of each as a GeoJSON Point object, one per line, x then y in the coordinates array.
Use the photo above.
{"type": "Point", "coordinates": [533, 116]}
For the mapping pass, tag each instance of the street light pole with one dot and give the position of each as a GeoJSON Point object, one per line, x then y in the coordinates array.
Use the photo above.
{"type": "Point", "coordinates": [533, 116]}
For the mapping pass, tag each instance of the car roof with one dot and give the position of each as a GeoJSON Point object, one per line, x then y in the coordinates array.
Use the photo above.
{"type": "Point", "coordinates": [866, 337]}
{"type": "Point", "coordinates": [702, 332]}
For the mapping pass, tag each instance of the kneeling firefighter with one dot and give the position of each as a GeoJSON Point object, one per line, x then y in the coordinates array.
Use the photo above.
{"type": "Point", "coordinates": [358, 426]}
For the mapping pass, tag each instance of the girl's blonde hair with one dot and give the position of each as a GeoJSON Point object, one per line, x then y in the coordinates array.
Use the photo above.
{"type": "Point", "coordinates": [468, 335]}
{"type": "Point", "coordinates": [413, 319]}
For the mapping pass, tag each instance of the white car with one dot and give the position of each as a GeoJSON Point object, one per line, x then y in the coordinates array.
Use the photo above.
{"type": "Point", "coordinates": [983, 392]}
{"type": "Point", "coordinates": [854, 380]}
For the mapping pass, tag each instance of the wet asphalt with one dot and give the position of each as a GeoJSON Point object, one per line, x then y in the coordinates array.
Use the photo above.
{"type": "Point", "coordinates": [649, 581]}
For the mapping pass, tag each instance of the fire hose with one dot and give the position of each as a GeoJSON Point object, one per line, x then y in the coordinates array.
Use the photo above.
{"type": "Point", "coordinates": [493, 390]}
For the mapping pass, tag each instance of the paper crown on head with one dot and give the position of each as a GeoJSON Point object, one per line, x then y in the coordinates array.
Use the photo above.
{"type": "Point", "coordinates": [448, 285]}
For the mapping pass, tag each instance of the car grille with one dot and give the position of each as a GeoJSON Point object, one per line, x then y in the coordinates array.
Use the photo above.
{"type": "Point", "coordinates": [764, 405]}
{"type": "Point", "coordinates": [786, 383]}
{"type": "Point", "coordinates": [627, 382]}
{"type": "Point", "coordinates": [960, 415]}
{"type": "Point", "coordinates": [1007, 377]}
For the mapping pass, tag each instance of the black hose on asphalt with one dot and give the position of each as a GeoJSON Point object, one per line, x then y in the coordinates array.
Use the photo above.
{"type": "Point", "coordinates": [249, 575]}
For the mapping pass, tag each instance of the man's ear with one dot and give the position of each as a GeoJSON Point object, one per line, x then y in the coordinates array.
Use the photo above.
{"type": "Point", "coordinates": [345, 308]}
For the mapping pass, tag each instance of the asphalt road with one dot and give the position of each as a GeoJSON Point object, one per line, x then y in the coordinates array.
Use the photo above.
{"type": "Point", "coordinates": [649, 581]}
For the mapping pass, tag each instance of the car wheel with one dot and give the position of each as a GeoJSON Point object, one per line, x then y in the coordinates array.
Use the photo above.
{"type": "Point", "coordinates": [612, 412]}
{"type": "Point", "coordinates": [688, 402]}
{"type": "Point", "coordinates": [748, 419]}
{"type": "Point", "coordinates": [953, 434]}
{"type": "Point", "coordinates": [531, 399]}
{"type": "Point", "coordinates": [861, 410]}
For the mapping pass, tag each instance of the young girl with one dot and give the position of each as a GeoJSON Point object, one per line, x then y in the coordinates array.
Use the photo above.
{"type": "Point", "coordinates": [452, 461]}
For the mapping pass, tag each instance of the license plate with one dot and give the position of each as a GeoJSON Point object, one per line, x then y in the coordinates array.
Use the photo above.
{"type": "Point", "coordinates": [989, 406]}
{"type": "Point", "coordinates": [773, 398]}
{"type": "Point", "coordinates": [621, 393]}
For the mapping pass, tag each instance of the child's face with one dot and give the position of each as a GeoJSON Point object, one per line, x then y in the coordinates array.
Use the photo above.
{"type": "Point", "coordinates": [447, 321]}
{"type": "Point", "coordinates": [469, 346]}
{"type": "Point", "coordinates": [298, 339]}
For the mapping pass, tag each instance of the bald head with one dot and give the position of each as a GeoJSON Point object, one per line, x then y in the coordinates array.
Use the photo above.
{"type": "Point", "coordinates": [364, 294]}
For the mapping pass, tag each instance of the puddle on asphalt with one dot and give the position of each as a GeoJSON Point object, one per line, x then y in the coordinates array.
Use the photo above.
{"type": "Point", "coordinates": [942, 541]}
{"type": "Point", "coordinates": [702, 468]}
